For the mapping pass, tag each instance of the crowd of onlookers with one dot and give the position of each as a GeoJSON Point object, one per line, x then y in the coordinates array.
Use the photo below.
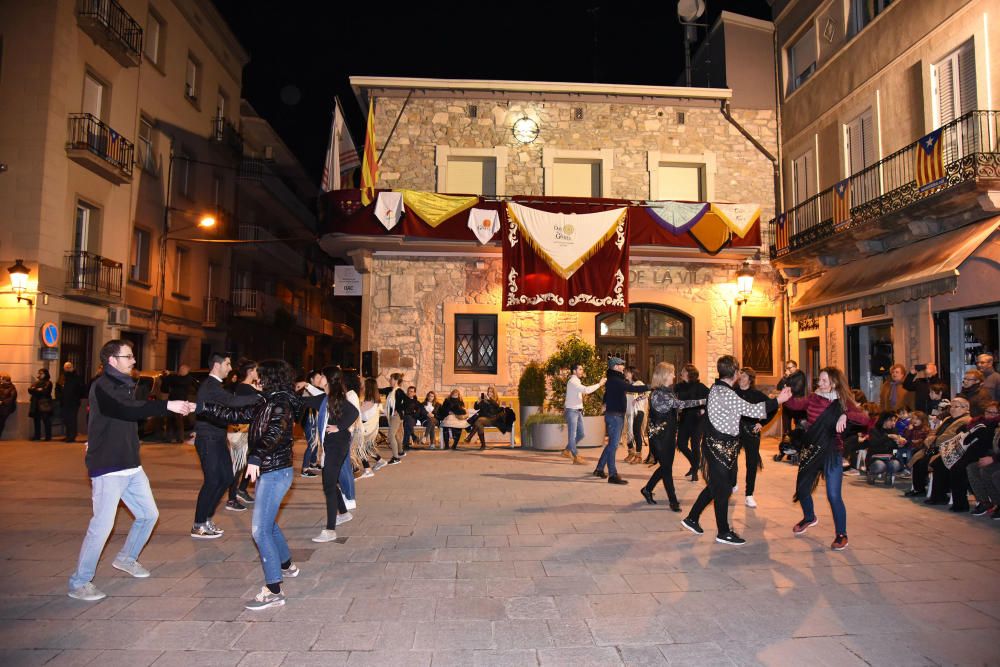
{"type": "Point", "coordinates": [948, 447]}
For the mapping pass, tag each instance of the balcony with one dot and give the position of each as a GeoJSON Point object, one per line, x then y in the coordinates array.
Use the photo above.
{"type": "Point", "coordinates": [254, 304]}
{"type": "Point", "coordinates": [216, 315]}
{"type": "Point", "coordinates": [99, 148]}
{"type": "Point", "coordinates": [226, 134]}
{"type": "Point", "coordinates": [282, 253]}
{"type": "Point", "coordinates": [113, 28]}
{"type": "Point", "coordinates": [261, 179]}
{"type": "Point", "coordinates": [93, 278]}
{"type": "Point", "coordinates": [887, 209]}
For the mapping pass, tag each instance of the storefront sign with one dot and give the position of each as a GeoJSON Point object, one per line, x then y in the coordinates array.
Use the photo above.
{"type": "Point", "coordinates": [640, 277]}
{"type": "Point", "coordinates": [346, 281]}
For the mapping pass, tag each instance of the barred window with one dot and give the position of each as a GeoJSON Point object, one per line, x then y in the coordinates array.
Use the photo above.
{"type": "Point", "coordinates": [758, 335]}
{"type": "Point", "coordinates": [476, 344]}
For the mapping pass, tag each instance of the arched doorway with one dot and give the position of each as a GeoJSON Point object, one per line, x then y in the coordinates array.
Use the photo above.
{"type": "Point", "coordinates": [644, 336]}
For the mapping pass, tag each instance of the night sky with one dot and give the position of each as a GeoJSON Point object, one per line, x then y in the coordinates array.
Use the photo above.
{"type": "Point", "coordinates": [302, 53]}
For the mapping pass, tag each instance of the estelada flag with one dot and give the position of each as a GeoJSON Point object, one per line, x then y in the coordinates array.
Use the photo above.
{"type": "Point", "coordinates": [369, 165]}
{"type": "Point", "coordinates": [930, 163]}
{"type": "Point", "coordinates": [781, 233]}
{"type": "Point", "coordinates": [842, 202]}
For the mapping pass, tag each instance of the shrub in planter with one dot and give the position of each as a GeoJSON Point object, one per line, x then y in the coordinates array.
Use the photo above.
{"type": "Point", "coordinates": [548, 431]}
{"type": "Point", "coordinates": [531, 387]}
{"type": "Point", "coordinates": [570, 352]}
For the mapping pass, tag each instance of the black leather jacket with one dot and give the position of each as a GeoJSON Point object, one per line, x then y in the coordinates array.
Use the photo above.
{"type": "Point", "coordinates": [271, 422]}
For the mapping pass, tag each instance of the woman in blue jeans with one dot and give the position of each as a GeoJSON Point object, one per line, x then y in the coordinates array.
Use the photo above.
{"type": "Point", "coordinates": [269, 463]}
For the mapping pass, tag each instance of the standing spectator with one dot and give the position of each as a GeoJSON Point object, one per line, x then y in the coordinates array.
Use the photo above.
{"type": "Point", "coordinates": [919, 381]}
{"type": "Point", "coordinates": [573, 410]}
{"type": "Point", "coordinates": [394, 395]}
{"type": "Point", "coordinates": [180, 387]}
{"type": "Point", "coordinates": [488, 410]}
{"type": "Point", "coordinates": [340, 420]}
{"type": "Point", "coordinates": [894, 395]}
{"type": "Point", "coordinates": [212, 445]}
{"type": "Point", "coordinates": [614, 416]}
{"type": "Point", "coordinates": [115, 470]}
{"type": "Point", "coordinates": [750, 428]}
{"type": "Point", "coordinates": [371, 408]}
{"type": "Point", "coordinates": [69, 393]}
{"type": "Point", "coordinates": [796, 380]}
{"type": "Point", "coordinates": [8, 399]}
{"type": "Point", "coordinates": [991, 379]}
{"type": "Point", "coordinates": [691, 422]}
{"type": "Point", "coordinates": [975, 391]}
{"type": "Point", "coordinates": [41, 406]}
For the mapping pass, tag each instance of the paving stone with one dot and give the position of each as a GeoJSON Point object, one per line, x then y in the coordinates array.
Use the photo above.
{"type": "Point", "coordinates": [578, 657]}
{"type": "Point", "coordinates": [348, 636]}
{"type": "Point", "coordinates": [381, 658]}
{"type": "Point", "coordinates": [287, 636]}
{"type": "Point", "coordinates": [470, 608]}
{"type": "Point", "coordinates": [453, 635]}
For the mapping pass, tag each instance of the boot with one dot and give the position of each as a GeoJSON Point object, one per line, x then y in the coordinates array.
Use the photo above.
{"type": "Point", "coordinates": [579, 460]}
{"type": "Point", "coordinates": [566, 454]}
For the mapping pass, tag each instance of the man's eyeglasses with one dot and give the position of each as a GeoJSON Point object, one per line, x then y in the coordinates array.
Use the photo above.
{"type": "Point", "coordinates": [123, 356]}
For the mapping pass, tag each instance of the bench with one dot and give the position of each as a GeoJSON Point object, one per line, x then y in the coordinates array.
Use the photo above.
{"type": "Point", "coordinates": [492, 433]}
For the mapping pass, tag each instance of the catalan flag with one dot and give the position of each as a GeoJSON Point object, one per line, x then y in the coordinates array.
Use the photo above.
{"type": "Point", "coordinates": [369, 165]}
{"type": "Point", "coordinates": [930, 164]}
{"type": "Point", "coordinates": [842, 202]}
{"type": "Point", "coordinates": [781, 233]}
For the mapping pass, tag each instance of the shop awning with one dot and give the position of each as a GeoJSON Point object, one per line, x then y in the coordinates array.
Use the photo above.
{"type": "Point", "coordinates": [912, 272]}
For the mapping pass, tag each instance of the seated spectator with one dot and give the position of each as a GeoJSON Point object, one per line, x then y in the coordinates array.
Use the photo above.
{"type": "Point", "coordinates": [913, 437]}
{"type": "Point", "coordinates": [893, 395]}
{"type": "Point", "coordinates": [951, 473]}
{"type": "Point", "coordinates": [977, 394]}
{"type": "Point", "coordinates": [429, 418]}
{"type": "Point", "coordinates": [880, 445]}
{"type": "Point", "coordinates": [411, 410]}
{"type": "Point", "coordinates": [488, 410]}
{"type": "Point", "coordinates": [451, 416]}
{"type": "Point", "coordinates": [984, 471]}
{"type": "Point", "coordinates": [949, 428]}
{"type": "Point", "coordinates": [902, 420]}
{"type": "Point", "coordinates": [937, 402]}
{"type": "Point", "coordinates": [855, 438]}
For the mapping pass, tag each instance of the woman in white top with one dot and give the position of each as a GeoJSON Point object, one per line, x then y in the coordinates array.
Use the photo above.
{"type": "Point", "coordinates": [635, 417]}
{"type": "Point", "coordinates": [371, 408]}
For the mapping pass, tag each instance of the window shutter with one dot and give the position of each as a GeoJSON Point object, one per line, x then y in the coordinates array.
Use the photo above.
{"type": "Point", "coordinates": [945, 91]}
{"type": "Point", "coordinates": [966, 79]}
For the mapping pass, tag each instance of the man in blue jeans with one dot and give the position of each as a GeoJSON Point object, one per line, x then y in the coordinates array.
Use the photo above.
{"type": "Point", "coordinates": [115, 471]}
{"type": "Point", "coordinates": [573, 410]}
{"type": "Point", "coordinates": [614, 416]}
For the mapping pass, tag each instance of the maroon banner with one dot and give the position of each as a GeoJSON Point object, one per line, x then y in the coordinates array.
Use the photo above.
{"type": "Point", "coordinates": [529, 283]}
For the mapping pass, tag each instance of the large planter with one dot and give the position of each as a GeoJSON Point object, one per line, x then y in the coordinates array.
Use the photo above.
{"type": "Point", "coordinates": [525, 412]}
{"type": "Point", "coordinates": [553, 437]}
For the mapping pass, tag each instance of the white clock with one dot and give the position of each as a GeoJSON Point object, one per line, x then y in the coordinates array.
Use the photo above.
{"type": "Point", "coordinates": [525, 130]}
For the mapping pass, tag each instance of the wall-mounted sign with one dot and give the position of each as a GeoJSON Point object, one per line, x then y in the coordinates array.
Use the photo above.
{"type": "Point", "coordinates": [50, 334]}
{"type": "Point", "coordinates": [346, 281]}
{"type": "Point", "coordinates": [48, 354]}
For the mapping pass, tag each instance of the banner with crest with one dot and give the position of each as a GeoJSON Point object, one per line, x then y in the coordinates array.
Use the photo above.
{"type": "Point", "coordinates": [565, 261]}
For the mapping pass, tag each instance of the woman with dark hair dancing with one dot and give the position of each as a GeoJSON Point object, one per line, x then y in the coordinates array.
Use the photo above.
{"type": "Point", "coordinates": [663, 406]}
{"type": "Point", "coordinates": [750, 427]}
{"type": "Point", "coordinates": [341, 416]}
{"type": "Point", "coordinates": [269, 463]}
{"type": "Point", "coordinates": [690, 428]}
{"type": "Point", "coordinates": [827, 410]}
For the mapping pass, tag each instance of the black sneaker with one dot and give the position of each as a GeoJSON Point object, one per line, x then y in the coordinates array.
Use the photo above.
{"type": "Point", "coordinates": [402, 454]}
{"type": "Point", "coordinates": [980, 509]}
{"type": "Point", "coordinates": [601, 474]}
{"type": "Point", "coordinates": [307, 473]}
{"type": "Point", "coordinates": [244, 497]}
{"type": "Point", "coordinates": [393, 461]}
{"type": "Point", "coordinates": [731, 538]}
{"type": "Point", "coordinates": [693, 526]}
{"type": "Point", "coordinates": [235, 506]}
{"type": "Point", "coordinates": [615, 479]}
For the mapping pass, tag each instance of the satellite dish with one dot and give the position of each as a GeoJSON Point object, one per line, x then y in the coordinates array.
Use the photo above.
{"type": "Point", "coordinates": [689, 10]}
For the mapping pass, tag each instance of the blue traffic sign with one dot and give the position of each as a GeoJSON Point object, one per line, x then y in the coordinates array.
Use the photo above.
{"type": "Point", "coordinates": [50, 334]}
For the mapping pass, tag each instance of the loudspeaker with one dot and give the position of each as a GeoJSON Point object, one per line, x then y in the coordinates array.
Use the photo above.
{"type": "Point", "coordinates": [369, 364]}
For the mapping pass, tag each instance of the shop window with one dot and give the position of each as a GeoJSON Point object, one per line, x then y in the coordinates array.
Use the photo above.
{"type": "Point", "coordinates": [476, 344]}
{"type": "Point", "coordinates": [758, 344]}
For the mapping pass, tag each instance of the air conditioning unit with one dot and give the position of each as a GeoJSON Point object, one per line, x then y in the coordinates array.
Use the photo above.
{"type": "Point", "coordinates": [118, 316]}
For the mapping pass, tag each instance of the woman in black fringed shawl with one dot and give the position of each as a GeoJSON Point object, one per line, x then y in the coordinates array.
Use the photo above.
{"type": "Point", "coordinates": [827, 410]}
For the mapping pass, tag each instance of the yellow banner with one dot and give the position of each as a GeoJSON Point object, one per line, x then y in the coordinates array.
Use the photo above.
{"type": "Point", "coordinates": [711, 231]}
{"type": "Point", "coordinates": [433, 208]}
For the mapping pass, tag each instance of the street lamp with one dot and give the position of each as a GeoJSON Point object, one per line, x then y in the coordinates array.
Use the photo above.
{"type": "Point", "coordinates": [19, 281]}
{"type": "Point", "coordinates": [744, 283]}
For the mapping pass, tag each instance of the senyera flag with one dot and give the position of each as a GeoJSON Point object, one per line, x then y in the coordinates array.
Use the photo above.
{"type": "Point", "coordinates": [930, 161]}
{"type": "Point", "coordinates": [369, 164]}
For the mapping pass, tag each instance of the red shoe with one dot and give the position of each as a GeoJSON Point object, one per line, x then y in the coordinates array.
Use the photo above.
{"type": "Point", "coordinates": [804, 525]}
{"type": "Point", "coordinates": [840, 543]}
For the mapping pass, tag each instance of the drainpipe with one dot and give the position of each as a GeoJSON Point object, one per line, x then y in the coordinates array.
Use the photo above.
{"type": "Point", "coordinates": [724, 109]}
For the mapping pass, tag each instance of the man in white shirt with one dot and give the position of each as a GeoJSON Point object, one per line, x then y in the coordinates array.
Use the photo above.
{"type": "Point", "coordinates": [573, 410]}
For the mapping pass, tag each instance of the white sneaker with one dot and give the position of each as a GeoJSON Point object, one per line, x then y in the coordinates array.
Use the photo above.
{"type": "Point", "coordinates": [751, 503]}
{"type": "Point", "coordinates": [380, 464]}
{"type": "Point", "coordinates": [265, 599]}
{"type": "Point", "coordinates": [88, 593]}
{"type": "Point", "coordinates": [344, 518]}
{"type": "Point", "coordinates": [292, 571]}
{"type": "Point", "coordinates": [325, 535]}
{"type": "Point", "coordinates": [350, 504]}
{"type": "Point", "coordinates": [132, 567]}
{"type": "Point", "coordinates": [367, 473]}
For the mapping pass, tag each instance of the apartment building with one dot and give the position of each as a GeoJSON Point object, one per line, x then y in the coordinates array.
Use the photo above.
{"type": "Point", "coordinates": [888, 229]}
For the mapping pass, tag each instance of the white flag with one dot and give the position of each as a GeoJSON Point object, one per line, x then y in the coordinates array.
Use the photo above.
{"type": "Point", "coordinates": [389, 208]}
{"type": "Point", "coordinates": [341, 155]}
{"type": "Point", "coordinates": [484, 223]}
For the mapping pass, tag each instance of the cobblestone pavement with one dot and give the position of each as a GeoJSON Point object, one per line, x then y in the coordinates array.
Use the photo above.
{"type": "Point", "coordinates": [503, 557]}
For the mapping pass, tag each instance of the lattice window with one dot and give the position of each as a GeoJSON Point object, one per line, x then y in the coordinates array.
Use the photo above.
{"type": "Point", "coordinates": [476, 344]}
{"type": "Point", "coordinates": [758, 336]}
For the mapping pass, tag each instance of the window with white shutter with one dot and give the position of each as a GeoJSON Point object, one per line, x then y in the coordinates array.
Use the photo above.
{"type": "Point", "coordinates": [803, 187]}
{"type": "Point", "coordinates": [859, 144]}
{"type": "Point", "coordinates": [802, 59]}
{"type": "Point", "coordinates": [954, 85]}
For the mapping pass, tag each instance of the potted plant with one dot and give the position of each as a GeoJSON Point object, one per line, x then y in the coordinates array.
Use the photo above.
{"type": "Point", "coordinates": [530, 396]}
{"type": "Point", "coordinates": [570, 352]}
{"type": "Point", "coordinates": [548, 431]}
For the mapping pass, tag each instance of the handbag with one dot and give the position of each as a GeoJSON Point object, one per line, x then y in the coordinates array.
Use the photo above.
{"type": "Point", "coordinates": [45, 405]}
{"type": "Point", "coordinates": [952, 450]}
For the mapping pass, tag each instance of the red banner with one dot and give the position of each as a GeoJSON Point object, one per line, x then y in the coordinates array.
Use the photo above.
{"type": "Point", "coordinates": [600, 284]}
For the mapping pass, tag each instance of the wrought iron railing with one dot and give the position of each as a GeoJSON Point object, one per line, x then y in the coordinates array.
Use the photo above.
{"type": "Point", "coordinates": [224, 132]}
{"type": "Point", "coordinates": [970, 149]}
{"type": "Point", "coordinates": [93, 274]}
{"type": "Point", "coordinates": [216, 311]}
{"type": "Point", "coordinates": [246, 302]}
{"type": "Point", "coordinates": [87, 132]}
{"type": "Point", "coordinates": [116, 21]}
